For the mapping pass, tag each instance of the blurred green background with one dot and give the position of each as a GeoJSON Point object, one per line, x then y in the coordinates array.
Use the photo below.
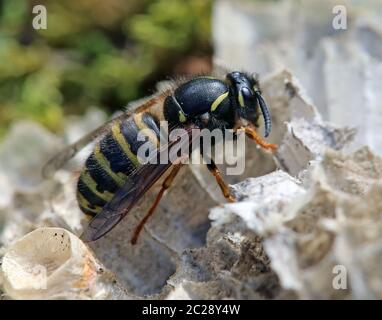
{"type": "Point", "coordinates": [95, 53]}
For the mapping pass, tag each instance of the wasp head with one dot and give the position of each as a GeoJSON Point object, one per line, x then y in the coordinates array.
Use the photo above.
{"type": "Point", "coordinates": [246, 97]}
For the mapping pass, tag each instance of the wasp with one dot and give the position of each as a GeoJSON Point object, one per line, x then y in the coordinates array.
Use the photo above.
{"type": "Point", "coordinates": [113, 180]}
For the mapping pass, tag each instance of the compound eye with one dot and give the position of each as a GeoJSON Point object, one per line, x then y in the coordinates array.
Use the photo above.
{"type": "Point", "coordinates": [246, 92]}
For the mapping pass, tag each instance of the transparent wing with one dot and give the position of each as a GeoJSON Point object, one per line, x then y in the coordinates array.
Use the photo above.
{"type": "Point", "coordinates": [129, 194]}
{"type": "Point", "coordinates": [59, 160]}
{"type": "Point", "coordinates": [123, 201]}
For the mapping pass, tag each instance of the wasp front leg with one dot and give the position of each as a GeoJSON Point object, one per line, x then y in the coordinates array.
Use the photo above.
{"type": "Point", "coordinates": [253, 135]}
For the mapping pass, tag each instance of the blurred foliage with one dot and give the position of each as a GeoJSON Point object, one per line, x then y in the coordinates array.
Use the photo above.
{"type": "Point", "coordinates": [94, 52]}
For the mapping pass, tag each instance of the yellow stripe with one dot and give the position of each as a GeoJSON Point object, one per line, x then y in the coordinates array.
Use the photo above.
{"type": "Point", "coordinates": [85, 204]}
{"type": "Point", "coordinates": [92, 185]}
{"type": "Point", "coordinates": [119, 178]}
{"type": "Point", "coordinates": [149, 133]}
{"type": "Point", "coordinates": [118, 136]}
{"type": "Point", "coordinates": [218, 100]}
{"type": "Point", "coordinates": [182, 117]}
{"type": "Point", "coordinates": [241, 99]}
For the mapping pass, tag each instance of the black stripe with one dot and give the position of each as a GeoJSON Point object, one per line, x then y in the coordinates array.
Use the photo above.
{"type": "Point", "coordinates": [100, 176]}
{"type": "Point", "coordinates": [119, 161]}
{"type": "Point", "coordinates": [92, 198]}
{"type": "Point", "coordinates": [130, 131]}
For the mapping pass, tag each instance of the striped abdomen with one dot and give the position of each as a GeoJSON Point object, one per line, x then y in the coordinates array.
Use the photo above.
{"type": "Point", "coordinates": [113, 159]}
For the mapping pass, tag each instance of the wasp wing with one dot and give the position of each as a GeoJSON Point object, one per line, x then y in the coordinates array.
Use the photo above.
{"type": "Point", "coordinates": [59, 160]}
{"type": "Point", "coordinates": [123, 201]}
{"type": "Point", "coordinates": [129, 194]}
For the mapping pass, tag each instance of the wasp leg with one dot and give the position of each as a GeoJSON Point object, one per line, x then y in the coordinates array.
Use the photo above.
{"type": "Point", "coordinates": [165, 185]}
{"type": "Point", "coordinates": [252, 134]}
{"type": "Point", "coordinates": [223, 186]}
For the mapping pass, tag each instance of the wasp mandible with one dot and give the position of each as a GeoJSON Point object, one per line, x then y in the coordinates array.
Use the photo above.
{"type": "Point", "coordinates": [113, 180]}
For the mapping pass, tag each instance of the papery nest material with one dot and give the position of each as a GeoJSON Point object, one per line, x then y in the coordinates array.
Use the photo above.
{"type": "Point", "coordinates": [48, 263]}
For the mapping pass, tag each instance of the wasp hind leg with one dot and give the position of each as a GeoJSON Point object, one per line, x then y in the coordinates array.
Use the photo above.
{"type": "Point", "coordinates": [165, 185]}
{"type": "Point", "coordinates": [219, 179]}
